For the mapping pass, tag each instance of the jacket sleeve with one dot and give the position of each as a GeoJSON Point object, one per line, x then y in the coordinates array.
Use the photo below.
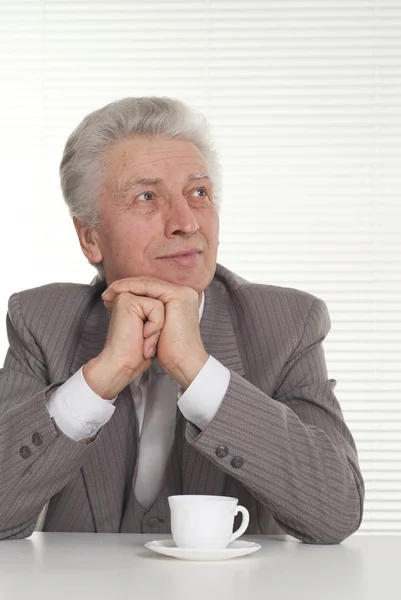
{"type": "Point", "coordinates": [36, 459]}
{"type": "Point", "coordinates": [293, 452]}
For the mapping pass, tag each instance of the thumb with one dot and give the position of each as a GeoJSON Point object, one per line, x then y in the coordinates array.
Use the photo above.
{"type": "Point", "coordinates": [150, 345]}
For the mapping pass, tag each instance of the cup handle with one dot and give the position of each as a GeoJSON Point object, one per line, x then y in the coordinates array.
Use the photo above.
{"type": "Point", "coordinates": [244, 524]}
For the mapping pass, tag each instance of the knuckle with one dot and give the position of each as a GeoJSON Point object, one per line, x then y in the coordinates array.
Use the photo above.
{"type": "Point", "coordinates": [118, 300]}
{"type": "Point", "coordinates": [127, 302]}
{"type": "Point", "coordinates": [124, 298]}
{"type": "Point", "coordinates": [155, 304]}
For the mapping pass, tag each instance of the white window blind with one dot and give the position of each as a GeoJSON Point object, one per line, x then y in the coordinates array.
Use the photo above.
{"type": "Point", "coordinates": [305, 99]}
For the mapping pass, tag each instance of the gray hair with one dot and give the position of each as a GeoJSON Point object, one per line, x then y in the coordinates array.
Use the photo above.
{"type": "Point", "coordinates": [83, 161]}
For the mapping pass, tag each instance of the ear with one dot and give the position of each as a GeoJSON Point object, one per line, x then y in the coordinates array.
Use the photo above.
{"type": "Point", "coordinates": [88, 238]}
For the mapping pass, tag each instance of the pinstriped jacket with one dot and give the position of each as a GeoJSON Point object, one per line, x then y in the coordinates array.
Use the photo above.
{"type": "Point", "coordinates": [288, 456]}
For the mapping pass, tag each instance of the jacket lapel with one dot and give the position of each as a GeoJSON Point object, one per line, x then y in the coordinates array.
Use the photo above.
{"type": "Point", "coordinates": [94, 333]}
{"type": "Point", "coordinates": [217, 329]}
{"type": "Point", "coordinates": [110, 460]}
{"type": "Point", "coordinates": [109, 468]}
{"type": "Point", "coordinates": [199, 474]}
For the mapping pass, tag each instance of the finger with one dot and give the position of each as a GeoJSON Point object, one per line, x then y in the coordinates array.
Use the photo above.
{"type": "Point", "coordinates": [150, 345]}
{"type": "Point", "coordinates": [144, 286]}
{"type": "Point", "coordinates": [148, 309]}
{"type": "Point", "coordinates": [155, 321]}
{"type": "Point", "coordinates": [146, 363]}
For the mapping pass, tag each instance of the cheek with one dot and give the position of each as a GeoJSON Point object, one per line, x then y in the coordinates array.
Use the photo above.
{"type": "Point", "coordinates": [211, 230]}
{"type": "Point", "coordinates": [135, 239]}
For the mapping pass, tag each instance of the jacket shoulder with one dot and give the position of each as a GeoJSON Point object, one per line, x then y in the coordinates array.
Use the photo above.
{"type": "Point", "coordinates": [60, 290]}
{"type": "Point", "coordinates": [281, 315]}
{"type": "Point", "coordinates": [53, 306]}
{"type": "Point", "coordinates": [238, 287]}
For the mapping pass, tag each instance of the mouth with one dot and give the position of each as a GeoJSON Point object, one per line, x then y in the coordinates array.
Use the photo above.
{"type": "Point", "coordinates": [187, 258]}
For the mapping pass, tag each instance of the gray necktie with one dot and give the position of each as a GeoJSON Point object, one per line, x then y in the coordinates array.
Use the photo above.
{"type": "Point", "coordinates": [157, 434]}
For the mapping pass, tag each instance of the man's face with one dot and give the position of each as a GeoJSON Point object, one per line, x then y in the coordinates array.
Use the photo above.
{"type": "Point", "coordinates": [157, 214]}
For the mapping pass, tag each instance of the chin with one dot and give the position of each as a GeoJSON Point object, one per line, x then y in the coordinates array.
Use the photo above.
{"type": "Point", "coordinates": [197, 281]}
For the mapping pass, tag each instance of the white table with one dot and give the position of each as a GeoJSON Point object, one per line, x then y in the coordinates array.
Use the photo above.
{"type": "Point", "coordinates": [77, 566]}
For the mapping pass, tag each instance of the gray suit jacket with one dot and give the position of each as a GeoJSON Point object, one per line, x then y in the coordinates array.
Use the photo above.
{"type": "Point", "coordinates": [278, 442]}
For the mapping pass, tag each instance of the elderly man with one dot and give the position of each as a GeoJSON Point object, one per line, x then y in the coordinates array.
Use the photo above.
{"type": "Point", "coordinates": [168, 374]}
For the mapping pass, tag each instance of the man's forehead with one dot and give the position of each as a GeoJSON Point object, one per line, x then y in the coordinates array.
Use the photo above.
{"type": "Point", "coordinates": [138, 159]}
{"type": "Point", "coordinates": [154, 180]}
{"type": "Point", "coordinates": [143, 150]}
{"type": "Point", "coordinates": [150, 161]}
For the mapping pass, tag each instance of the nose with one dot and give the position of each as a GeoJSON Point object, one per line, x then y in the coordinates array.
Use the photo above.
{"type": "Point", "coordinates": [181, 220]}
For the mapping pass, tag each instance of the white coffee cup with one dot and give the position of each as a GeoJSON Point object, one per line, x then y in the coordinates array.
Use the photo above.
{"type": "Point", "coordinates": [205, 521]}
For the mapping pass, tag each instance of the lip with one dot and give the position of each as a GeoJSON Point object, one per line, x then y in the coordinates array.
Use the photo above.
{"type": "Point", "coordinates": [183, 253]}
{"type": "Point", "coordinates": [188, 258]}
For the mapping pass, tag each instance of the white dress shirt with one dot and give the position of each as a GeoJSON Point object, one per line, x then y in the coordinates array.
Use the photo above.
{"type": "Point", "coordinates": [80, 413]}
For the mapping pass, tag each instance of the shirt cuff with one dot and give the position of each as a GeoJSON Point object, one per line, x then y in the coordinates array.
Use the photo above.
{"type": "Point", "coordinates": [78, 411]}
{"type": "Point", "coordinates": [201, 400]}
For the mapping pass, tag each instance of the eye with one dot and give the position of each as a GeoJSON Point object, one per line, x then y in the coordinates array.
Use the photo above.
{"type": "Point", "coordinates": [146, 196]}
{"type": "Point", "coordinates": [203, 194]}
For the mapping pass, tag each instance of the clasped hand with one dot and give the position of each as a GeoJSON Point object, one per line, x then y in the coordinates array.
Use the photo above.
{"type": "Point", "coordinates": [154, 317]}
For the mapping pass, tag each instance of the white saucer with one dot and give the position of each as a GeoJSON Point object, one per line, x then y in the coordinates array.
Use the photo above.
{"type": "Point", "coordinates": [169, 548]}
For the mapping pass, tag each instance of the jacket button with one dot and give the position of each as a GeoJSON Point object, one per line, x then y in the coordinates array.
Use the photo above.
{"type": "Point", "coordinates": [153, 522]}
{"type": "Point", "coordinates": [237, 462]}
{"type": "Point", "coordinates": [222, 451]}
{"type": "Point", "coordinates": [25, 452]}
{"type": "Point", "coordinates": [37, 439]}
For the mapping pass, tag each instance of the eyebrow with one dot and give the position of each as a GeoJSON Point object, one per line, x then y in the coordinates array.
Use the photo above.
{"type": "Point", "coordinates": [152, 181]}
{"type": "Point", "coordinates": [198, 176]}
